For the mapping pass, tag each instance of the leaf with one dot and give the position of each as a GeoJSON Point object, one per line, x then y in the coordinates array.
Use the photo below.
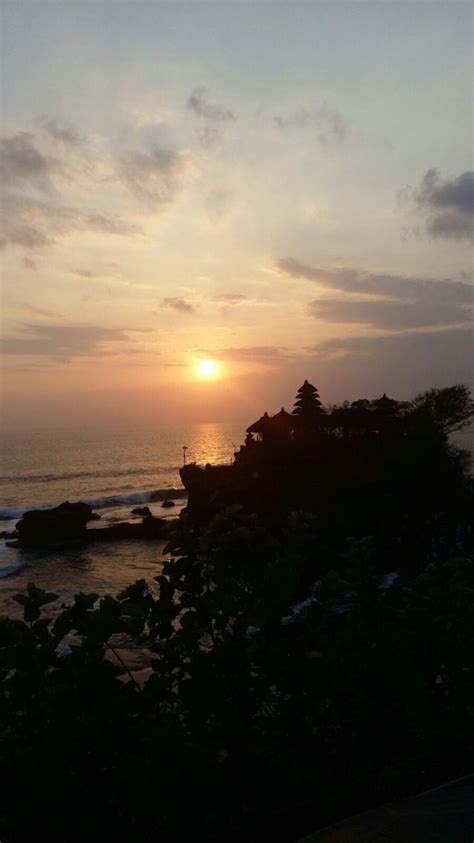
{"type": "Point", "coordinates": [39, 596]}
{"type": "Point", "coordinates": [134, 591]}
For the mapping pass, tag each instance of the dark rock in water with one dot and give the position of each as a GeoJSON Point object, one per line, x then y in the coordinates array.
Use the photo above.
{"type": "Point", "coordinates": [149, 528]}
{"type": "Point", "coordinates": [167, 504]}
{"type": "Point", "coordinates": [95, 516]}
{"type": "Point", "coordinates": [65, 522]}
{"type": "Point", "coordinates": [142, 510]}
{"type": "Point", "coordinates": [7, 534]}
{"type": "Point", "coordinates": [167, 494]}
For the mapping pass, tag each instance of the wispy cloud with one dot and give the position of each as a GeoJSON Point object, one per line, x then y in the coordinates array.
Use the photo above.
{"type": "Point", "coordinates": [389, 315]}
{"type": "Point", "coordinates": [154, 178]}
{"type": "Point", "coordinates": [24, 166]}
{"type": "Point", "coordinates": [230, 299]}
{"type": "Point", "coordinates": [379, 284]}
{"type": "Point", "coordinates": [66, 133]}
{"type": "Point", "coordinates": [84, 273]}
{"type": "Point", "coordinates": [327, 123]}
{"type": "Point", "coordinates": [218, 202]}
{"type": "Point", "coordinates": [386, 301]}
{"type": "Point", "coordinates": [104, 270]}
{"type": "Point", "coordinates": [35, 223]}
{"type": "Point", "coordinates": [214, 118]}
{"type": "Point", "coordinates": [63, 341]}
{"type": "Point", "coordinates": [26, 307]}
{"type": "Point", "coordinates": [448, 204]}
{"type": "Point", "coordinates": [179, 304]}
{"type": "Point", "coordinates": [36, 169]}
{"type": "Point", "coordinates": [445, 355]}
{"type": "Point", "coordinates": [57, 182]}
{"type": "Point", "coordinates": [200, 104]}
{"type": "Point", "coordinates": [255, 353]}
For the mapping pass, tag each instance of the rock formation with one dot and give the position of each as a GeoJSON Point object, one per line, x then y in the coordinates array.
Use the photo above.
{"type": "Point", "coordinates": [63, 523]}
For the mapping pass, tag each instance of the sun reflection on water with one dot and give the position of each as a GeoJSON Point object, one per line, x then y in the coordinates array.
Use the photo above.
{"type": "Point", "coordinates": [211, 446]}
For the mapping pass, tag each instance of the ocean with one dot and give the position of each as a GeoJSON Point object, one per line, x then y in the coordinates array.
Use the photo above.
{"type": "Point", "coordinates": [112, 469]}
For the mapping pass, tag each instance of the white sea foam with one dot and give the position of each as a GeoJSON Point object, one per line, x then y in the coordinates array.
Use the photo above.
{"type": "Point", "coordinates": [132, 499]}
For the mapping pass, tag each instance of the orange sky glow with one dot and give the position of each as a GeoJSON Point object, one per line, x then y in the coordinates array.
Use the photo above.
{"type": "Point", "coordinates": [166, 203]}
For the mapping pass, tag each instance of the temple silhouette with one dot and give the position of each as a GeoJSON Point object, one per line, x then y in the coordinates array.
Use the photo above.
{"type": "Point", "coordinates": [300, 459]}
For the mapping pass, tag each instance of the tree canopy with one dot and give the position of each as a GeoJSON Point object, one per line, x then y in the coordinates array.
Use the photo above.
{"type": "Point", "coordinates": [450, 409]}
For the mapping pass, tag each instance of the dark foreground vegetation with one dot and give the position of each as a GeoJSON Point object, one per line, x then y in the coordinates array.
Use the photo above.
{"type": "Point", "coordinates": [292, 682]}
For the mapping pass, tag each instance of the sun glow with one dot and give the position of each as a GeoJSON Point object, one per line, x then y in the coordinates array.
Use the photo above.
{"type": "Point", "coordinates": [207, 369]}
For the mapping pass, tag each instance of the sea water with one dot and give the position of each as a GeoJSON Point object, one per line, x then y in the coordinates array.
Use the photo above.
{"type": "Point", "coordinates": [112, 469]}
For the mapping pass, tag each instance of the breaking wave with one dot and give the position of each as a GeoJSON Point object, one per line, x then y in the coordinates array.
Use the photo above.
{"type": "Point", "coordinates": [133, 498]}
{"type": "Point", "coordinates": [10, 571]}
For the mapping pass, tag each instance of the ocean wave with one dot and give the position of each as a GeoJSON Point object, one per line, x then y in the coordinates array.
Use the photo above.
{"type": "Point", "coordinates": [9, 571]}
{"type": "Point", "coordinates": [131, 498]}
{"type": "Point", "coordinates": [94, 475]}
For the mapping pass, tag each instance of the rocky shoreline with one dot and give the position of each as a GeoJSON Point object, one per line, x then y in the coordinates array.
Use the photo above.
{"type": "Point", "coordinates": [71, 522]}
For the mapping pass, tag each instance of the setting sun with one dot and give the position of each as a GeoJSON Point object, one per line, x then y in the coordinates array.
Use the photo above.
{"type": "Point", "coordinates": [207, 369]}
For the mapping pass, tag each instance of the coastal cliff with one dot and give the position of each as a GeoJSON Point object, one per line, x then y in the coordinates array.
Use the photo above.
{"type": "Point", "coordinates": [377, 466]}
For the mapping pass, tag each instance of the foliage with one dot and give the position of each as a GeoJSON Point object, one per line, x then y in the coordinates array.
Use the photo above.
{"type": "Point", "coordinates": [449, 409]}
{"type": "Point", "coordinates": [253, 712]}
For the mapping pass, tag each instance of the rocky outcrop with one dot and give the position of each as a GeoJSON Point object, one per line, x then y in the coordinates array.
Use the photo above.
{"type": "Point", "coordinates": [144, 511]}
{"type": "Point", "coordinates": [149, 528]}
{"type": "Point", "coordinates": [68, 522]}
{"type": "Point", "coordinates": [210, 489]}
{"type": "Point", "coordinates": [63, 523]}
{"type": "Point", "coordinates": [167, 495]}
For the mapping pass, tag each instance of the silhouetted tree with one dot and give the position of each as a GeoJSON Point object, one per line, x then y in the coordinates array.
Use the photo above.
{"type": "Point", "coordinates": [449, 409]}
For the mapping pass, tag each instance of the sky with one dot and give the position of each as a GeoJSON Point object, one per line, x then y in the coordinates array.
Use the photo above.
{"type": "Point", "coordinates": [285, 188]}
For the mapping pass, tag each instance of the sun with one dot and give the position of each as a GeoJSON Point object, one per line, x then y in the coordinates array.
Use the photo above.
{"type": "Point", "coordinates": [207, 369]}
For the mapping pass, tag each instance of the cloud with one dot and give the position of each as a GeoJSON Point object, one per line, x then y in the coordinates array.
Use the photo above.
{"type": "Point", "coordinates": [84, 273]}
{"type": "Point", "coordinates": [379, 284]}
{"type": "Point", "coordinates": [230, 298]}
{"type": "Point", "coordinates": [398, 364]}
{"type": "Point", "coordinates": [105, 223]}
{"type": "Point", "coordinates": [54, 179]}
{"type": "Point", "coordinates": [34, 214]}
{"type": "Point", "coordinates": [256, 353]}
{"type": "Point", "coordinates": [23, 165]}
{"type": "Point", "coordinates": [181, 305]}
{"type": "Point", "coordinates": [17, 233]}
{"type": "Point", "coordinates": [31, 308]}
{"type": "Point", "coordinates": [209, 135]}
{"type": "Point", "coordinates": [108, 272]}
{"type": "Point", "coordinates": [153, 178]}
{"type": "Point", "coordinates": [199, 103]}
{"type": "Point", "coordinates": [386, 301]}
{"type": "Point", "coordinates": [63, 341]}
{"type": "Point", "coordinates": [448, 204]}
{"type": "Point", "coordinates": [218, 203]}
{"type": "Point", "coordinates": [35, 224]}
{"type": "Point", "coordinates": [390, 315]}
{"type": "Point", "coordinates": [327, 123]}
{"type": "Point", "coordinates": [66, 133]}
{"type": "Point", "coordinates": [416, 359]}
{"type": "Point", "coordinates": [215, 118]}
